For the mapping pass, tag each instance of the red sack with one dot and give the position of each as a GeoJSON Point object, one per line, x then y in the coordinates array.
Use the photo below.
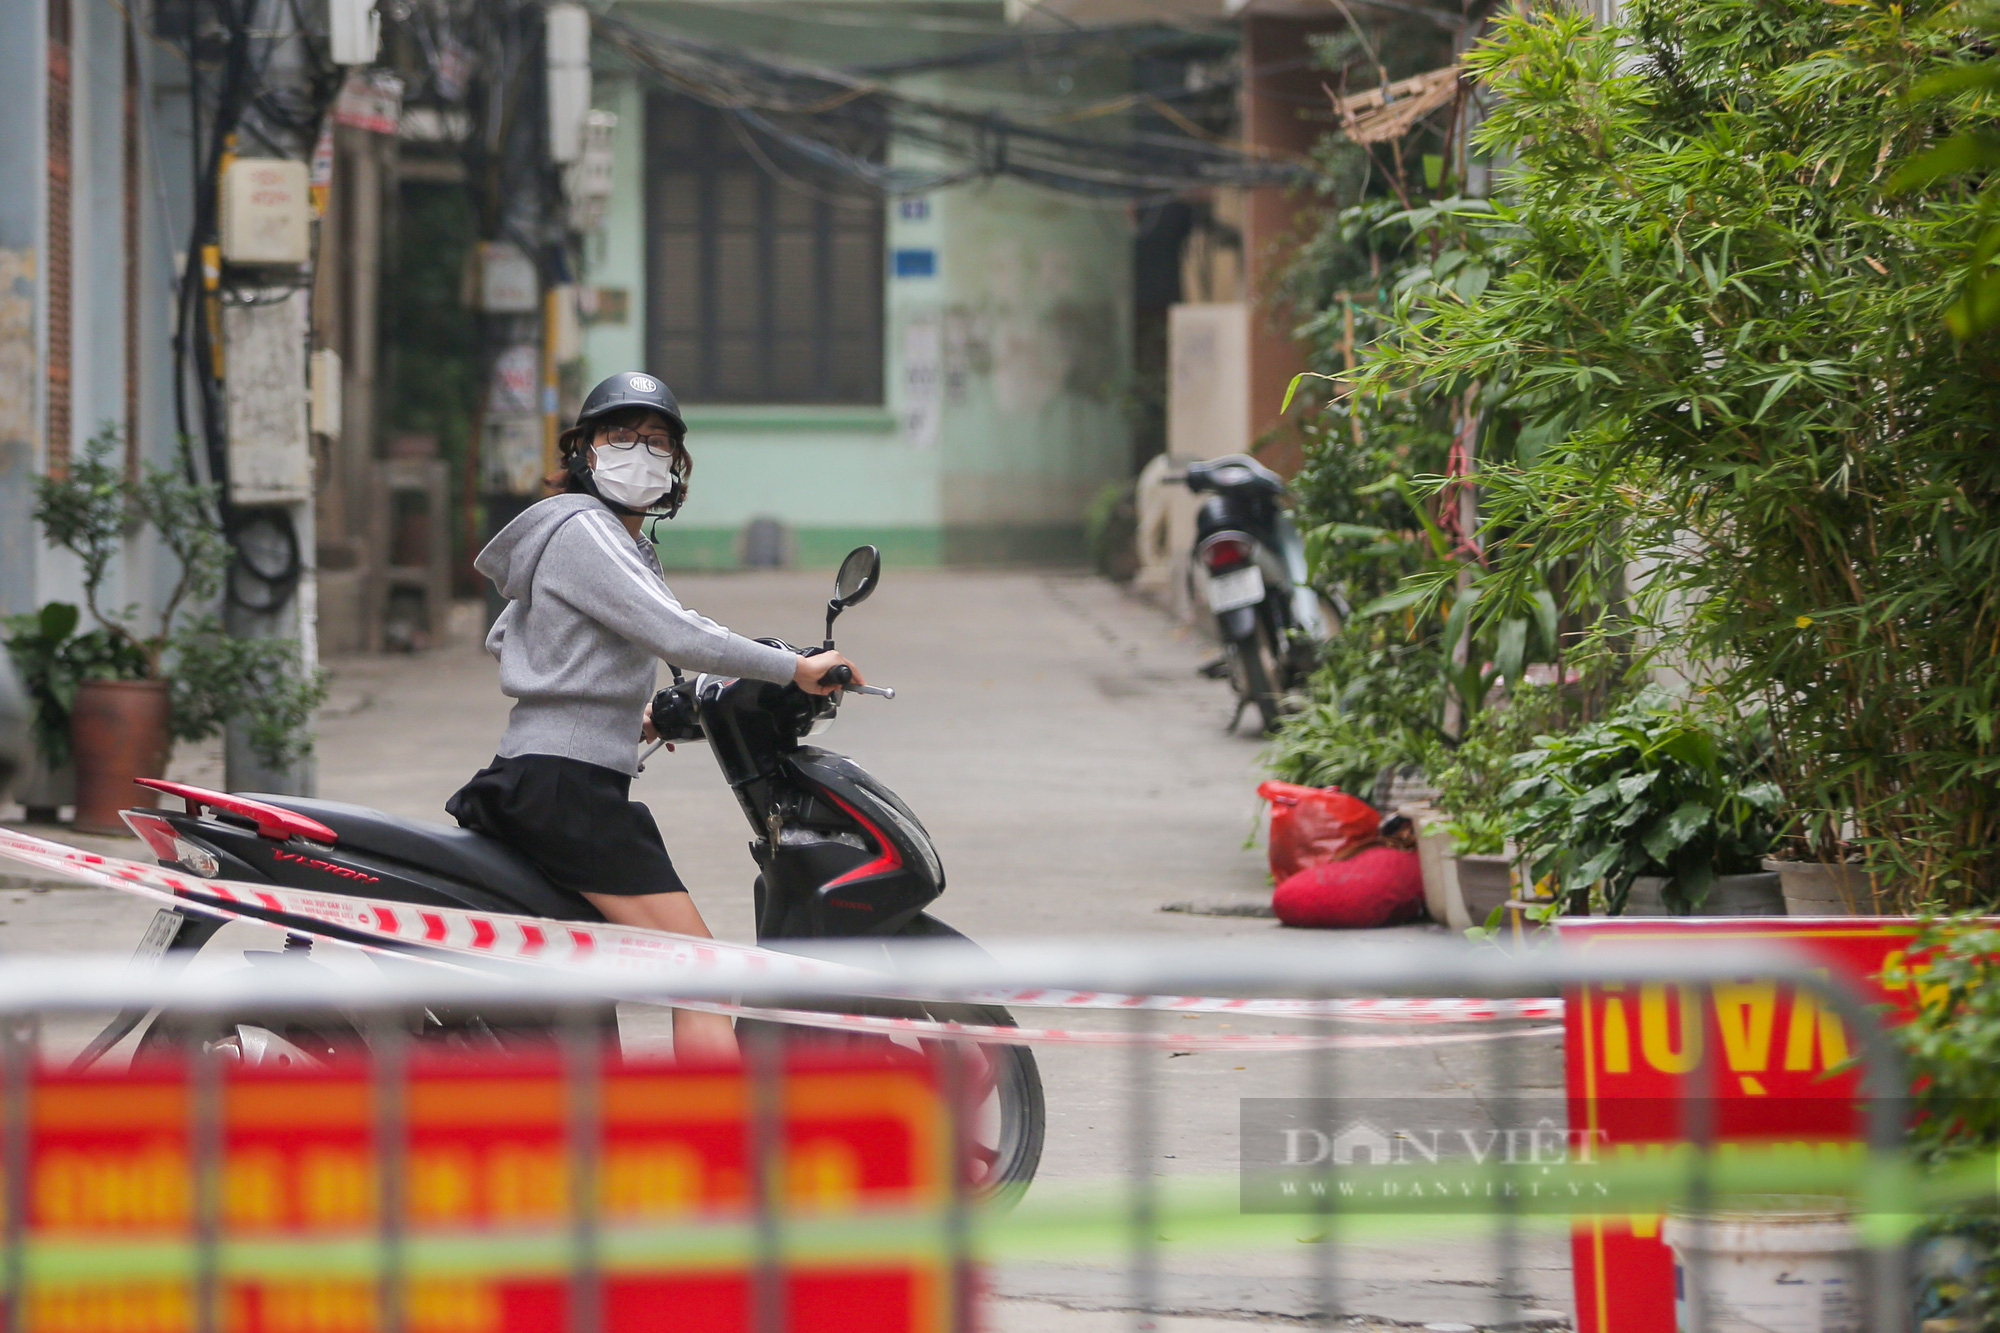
{"type": "Point", "coordinates": [1382, 886]}
{"type": "Point", "coordinates": [1313, 825]}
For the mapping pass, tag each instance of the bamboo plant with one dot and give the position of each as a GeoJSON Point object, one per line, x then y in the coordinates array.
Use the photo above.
{"type": "Point", "coordinates": [1732, 340]}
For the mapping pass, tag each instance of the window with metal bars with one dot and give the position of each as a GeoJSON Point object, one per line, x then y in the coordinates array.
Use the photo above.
{"type": "Point", "coordinates": [763, 285]}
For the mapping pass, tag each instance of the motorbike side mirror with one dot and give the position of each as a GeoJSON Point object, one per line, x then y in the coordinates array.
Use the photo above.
{"type": "Point", "coordinates": [858, 575]}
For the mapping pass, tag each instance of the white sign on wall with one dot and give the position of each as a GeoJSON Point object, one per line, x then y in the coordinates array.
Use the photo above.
{"type": "Point", "coordinates": [508, 283]}
{"type": "Point", "coordinates": [266, 212]}
{"type": "Point", "coordinates": [264, 345]}
{"type": "Point", "coordinates": [923, 380]}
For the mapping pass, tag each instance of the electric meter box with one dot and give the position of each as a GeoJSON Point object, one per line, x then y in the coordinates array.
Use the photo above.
{"type": "Point", "coordinates": [266, 212]}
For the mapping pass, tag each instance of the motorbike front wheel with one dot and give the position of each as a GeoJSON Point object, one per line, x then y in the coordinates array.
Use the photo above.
{"type": "Point", "coordinates": [1008, 1115]}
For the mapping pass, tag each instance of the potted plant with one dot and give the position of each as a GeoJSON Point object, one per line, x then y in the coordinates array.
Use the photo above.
{"type": "Point", "coordinates": [112, 697]}
{"type": "Point", "coordinates": [1652, 792]}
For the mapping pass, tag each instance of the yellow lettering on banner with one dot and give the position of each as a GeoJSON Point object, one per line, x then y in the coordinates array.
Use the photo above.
{"type": "Point", "coordinates": [336, 1187]}
{"type": "Point", "coordinates": [824, 1172]}
{"type": "Point", "coordinates": [322, 1306]}
{"type": "Point", "coordinates": [1897, 975]}
{"type": "Point", "coordinates": [651, 1180]}
{"type": "Point", "coordinates": [1617, 1038]}
{"type": "Point", "coordinates": [105, 1307]}
{"type": "Point", "coordinates": [253, 1188]}
{"type": "Point", "coordinates": [525, 1183]}
{"type": "Point", "coordinates": [1656, 1039]}
{"type": "Point", "coordinates": [1746, 1012]}
{"type": "Point", "coordinates": [443, 1185]}
{"type": "Point", "coordinates": [97, 1189]}
{"type": "Point", "coordinates": [1808, 1020]}
{"type": "Point", "coordinates": [453, 1306]}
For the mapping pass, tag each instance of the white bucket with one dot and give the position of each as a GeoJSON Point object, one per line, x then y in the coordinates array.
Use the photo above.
{"type": "Point", "coordinates": [1767, 1264]}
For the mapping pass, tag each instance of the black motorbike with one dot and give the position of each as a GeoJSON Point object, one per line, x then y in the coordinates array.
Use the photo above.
{"type": "Point", "coordinates": [1267, 615]}
{"type": "Point", "coordinates": [839, 855]}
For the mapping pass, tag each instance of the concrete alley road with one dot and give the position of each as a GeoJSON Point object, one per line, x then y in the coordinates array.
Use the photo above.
{"type": "Point", "coordinates": [1074, 770]}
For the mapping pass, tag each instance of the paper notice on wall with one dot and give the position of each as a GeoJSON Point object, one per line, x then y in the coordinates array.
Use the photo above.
{"type": "Point", "coordinates": [508, 281]}
{"type": "Point", "coordinates": [264, 347]}
{"type": "Point", "coordinates": [923, 380]}
{"type": "Point", "coordinates": [370, 100]}
{"type": "Point", "coordinates": [510, 455]}
{"type": "Point", "coordinates": [516, 385]}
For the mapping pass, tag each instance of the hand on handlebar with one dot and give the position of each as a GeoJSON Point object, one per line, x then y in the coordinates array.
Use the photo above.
{"type": "Point", "coordinates": [646, 732]}
{"type": "Point", "coordinates": [811, 673]}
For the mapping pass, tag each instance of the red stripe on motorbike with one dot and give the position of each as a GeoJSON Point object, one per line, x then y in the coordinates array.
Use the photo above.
{"type": "Point", "coordinates": [385, 920]}
{"type": "Point", "coordinates": [270, 900]}
{"type": "Point", "coordinates": [582, 941]}
{"type": "Point", "coordinates": [434, 927]}
{"type": "Point", "coordinates": [890, 859]}
{"type": "Point", "coordinates": [482, 933]}
{"type": "Point", "coordinates": [532, 940]}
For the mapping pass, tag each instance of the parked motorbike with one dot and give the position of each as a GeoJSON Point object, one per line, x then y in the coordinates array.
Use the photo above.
{"type": "Point", "coordinates": [839, 855]}
{"type": "Point", "coordinates": [1267, 615]}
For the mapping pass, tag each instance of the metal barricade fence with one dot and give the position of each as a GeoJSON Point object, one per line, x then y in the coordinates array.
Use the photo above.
{"type": "Point", "coordinates": [1499, 1195]}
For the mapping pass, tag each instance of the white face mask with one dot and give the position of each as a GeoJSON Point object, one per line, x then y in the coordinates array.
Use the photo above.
{"type": "Point", "coordinates": [633, 477]}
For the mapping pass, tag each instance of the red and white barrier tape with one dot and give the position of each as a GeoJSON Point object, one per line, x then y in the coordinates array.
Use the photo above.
{"type": "Point", "coordinates": [991, 1035]}
{"type": "Point", "coordinates": [623, 951]}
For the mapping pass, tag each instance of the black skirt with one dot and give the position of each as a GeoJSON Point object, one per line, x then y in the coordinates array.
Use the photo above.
{"type": "Point", "coordinates": [575, 821]}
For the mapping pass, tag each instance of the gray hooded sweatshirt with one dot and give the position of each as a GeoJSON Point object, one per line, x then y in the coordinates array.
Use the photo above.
{"type": "Point", "coordinates": [588, 620]}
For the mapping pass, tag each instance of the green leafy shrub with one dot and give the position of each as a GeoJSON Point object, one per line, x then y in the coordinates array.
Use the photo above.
{"type": "Point", "coordinates": [1474, 777]}
{"type": "Point", "coordinates": [1953, 1049]}
{"type": "Point", "coordinates": [1376, 705]}
{"type": "Point", "coordinates": [1730, 343]}
{"type": "Point", "coordinates": [215, 679]}
{"type": "Point", "coordinates": [1653, 789]}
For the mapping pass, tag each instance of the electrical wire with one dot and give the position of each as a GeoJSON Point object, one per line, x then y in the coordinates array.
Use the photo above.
{"type": "Point", "coordinates": [810, 109]}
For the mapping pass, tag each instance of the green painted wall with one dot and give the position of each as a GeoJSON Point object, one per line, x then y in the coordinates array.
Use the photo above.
{"type": "Point", "coordinates": [1023, 334]}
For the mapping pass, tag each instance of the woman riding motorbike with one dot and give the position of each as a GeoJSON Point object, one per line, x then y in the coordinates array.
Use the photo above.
{"type": "Point", "coordinates": [588, 619]}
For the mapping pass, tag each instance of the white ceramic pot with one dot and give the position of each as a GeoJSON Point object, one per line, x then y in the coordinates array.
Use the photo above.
{"type": "Point", "coordinates": [1440, 868]}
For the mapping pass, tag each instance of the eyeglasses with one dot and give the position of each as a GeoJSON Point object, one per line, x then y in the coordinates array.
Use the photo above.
{"type": "Point", "coordinates": [624, 437]}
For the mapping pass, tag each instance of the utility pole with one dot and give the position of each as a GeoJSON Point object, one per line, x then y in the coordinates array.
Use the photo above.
{"type": "Point", "coordinates": [264, 244]}
{"type": "Point", "coordinates": [259, 306]}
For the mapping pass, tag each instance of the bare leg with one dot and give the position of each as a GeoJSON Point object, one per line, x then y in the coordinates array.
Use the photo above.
{"type": "Point", "coordinates": [706, 1036]}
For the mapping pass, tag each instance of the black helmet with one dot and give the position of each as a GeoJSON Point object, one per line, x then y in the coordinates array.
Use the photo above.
{"type": "Point", "coordinates": [632, 388]}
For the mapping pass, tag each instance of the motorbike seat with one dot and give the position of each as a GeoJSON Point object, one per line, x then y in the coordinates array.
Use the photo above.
{"type": "Point", "coordinates": [455, 853]}
{"type": "Point", "coordinates": [1237, 474]}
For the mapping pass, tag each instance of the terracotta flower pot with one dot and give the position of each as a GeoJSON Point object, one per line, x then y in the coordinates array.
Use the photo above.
{"type": "Point", "coordinates": [1816, 888]}
{"type": "Point", "coordinates": [118, 732]}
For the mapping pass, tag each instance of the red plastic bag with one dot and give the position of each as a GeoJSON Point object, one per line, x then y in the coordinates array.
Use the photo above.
{"type": "Point", "coordinates": [1313, 825]}
{"type": "Point", "coordinates": [1379, 886]}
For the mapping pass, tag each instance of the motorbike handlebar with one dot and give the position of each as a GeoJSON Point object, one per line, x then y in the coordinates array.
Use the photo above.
{"type": "Point", "coordinates": [843, 676]}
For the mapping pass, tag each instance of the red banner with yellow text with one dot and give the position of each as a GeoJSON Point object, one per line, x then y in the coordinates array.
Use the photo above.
{"type": "Point", "coordinates": [483, 1165]}
{"type": "Point", "coordinates": [1632, 1055]}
